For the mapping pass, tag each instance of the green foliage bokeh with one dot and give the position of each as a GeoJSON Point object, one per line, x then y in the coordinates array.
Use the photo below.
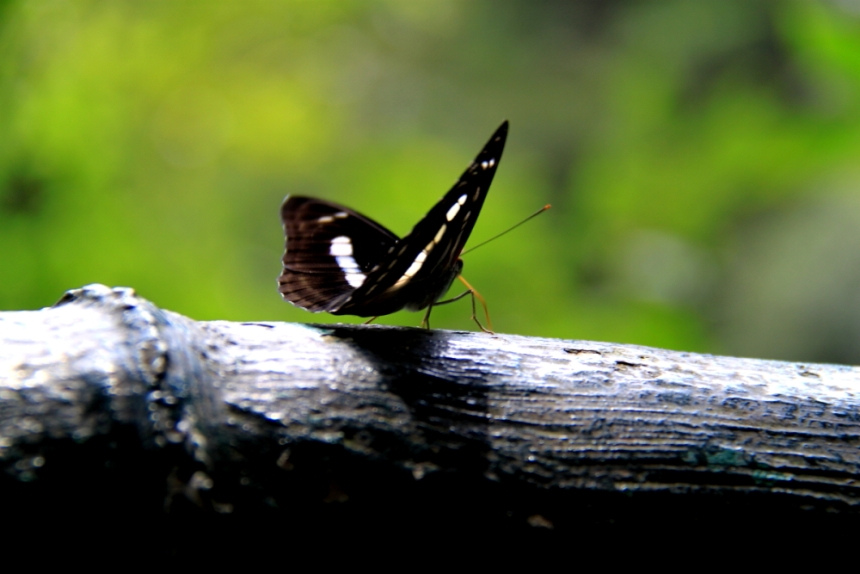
{"type": "Point", "coordinates": [700, 156]}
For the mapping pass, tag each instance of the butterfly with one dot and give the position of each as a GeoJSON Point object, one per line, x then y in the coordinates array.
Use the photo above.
{"type": "Point", "coordinates": [344, 263]}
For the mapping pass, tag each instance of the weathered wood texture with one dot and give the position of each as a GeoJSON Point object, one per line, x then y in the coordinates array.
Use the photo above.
{"type": "Point", "coordinates": [144, 410]}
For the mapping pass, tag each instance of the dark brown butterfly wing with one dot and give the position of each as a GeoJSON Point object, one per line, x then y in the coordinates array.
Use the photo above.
{"type": "Point", "coordinates": [330, 249]}
{"type": "Point", "coordinates": [342, 262]}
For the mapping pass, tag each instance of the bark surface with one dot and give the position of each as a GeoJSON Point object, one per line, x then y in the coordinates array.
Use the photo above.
{"type": "Point", "coordinates": [111, 405]}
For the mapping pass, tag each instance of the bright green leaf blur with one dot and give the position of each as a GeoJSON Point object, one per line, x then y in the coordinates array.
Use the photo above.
{"type": "Point", "coordinates": [701, 157]}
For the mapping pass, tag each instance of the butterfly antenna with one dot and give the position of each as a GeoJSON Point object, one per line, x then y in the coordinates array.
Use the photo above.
{"type": "Point", "coordinates": [494, 237]}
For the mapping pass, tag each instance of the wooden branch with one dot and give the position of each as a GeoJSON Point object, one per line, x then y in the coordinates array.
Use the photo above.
{"type": "Point", "coordinates": [143, 410]}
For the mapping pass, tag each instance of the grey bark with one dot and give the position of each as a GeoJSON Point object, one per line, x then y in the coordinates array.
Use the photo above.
{"type": "Point", "coordinates": [147, 411]}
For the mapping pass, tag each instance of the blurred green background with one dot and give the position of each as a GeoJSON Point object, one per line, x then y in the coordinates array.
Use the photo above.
{"type": "Point", "coordinates": [701, 157]}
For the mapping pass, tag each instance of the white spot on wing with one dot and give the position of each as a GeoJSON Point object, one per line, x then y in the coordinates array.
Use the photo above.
{"type": "Point", "coordinates": [355, 279]}
{"type": "Point", "coordinates": [341, 250]}
{"type": "Point", "coordinates": [340, 245]}
{"type": "Point", "coordinates": [325, 219]}
{"type": "Point", "coordinates": [440, 233]}
{"type": "Point", "coordinates": [415, 267]}
{"type": "Point", "coordinates": [452, 213]}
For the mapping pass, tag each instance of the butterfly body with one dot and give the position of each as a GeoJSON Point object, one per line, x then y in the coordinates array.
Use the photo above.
{"type": "Point", "coordinates": [344, 263]}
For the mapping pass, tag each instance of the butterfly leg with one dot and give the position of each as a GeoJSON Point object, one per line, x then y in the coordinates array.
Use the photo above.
{"type": "Point", "coordinates": [371, 320]}
{"type": "Point", "coordinates": [475, 315]}
{"type": "Point", "coordinates": [471, 291]}
{"type": "Point", "coordinates": [474, 292]}
{"type": "Point", "coordinates": [425, 322]}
